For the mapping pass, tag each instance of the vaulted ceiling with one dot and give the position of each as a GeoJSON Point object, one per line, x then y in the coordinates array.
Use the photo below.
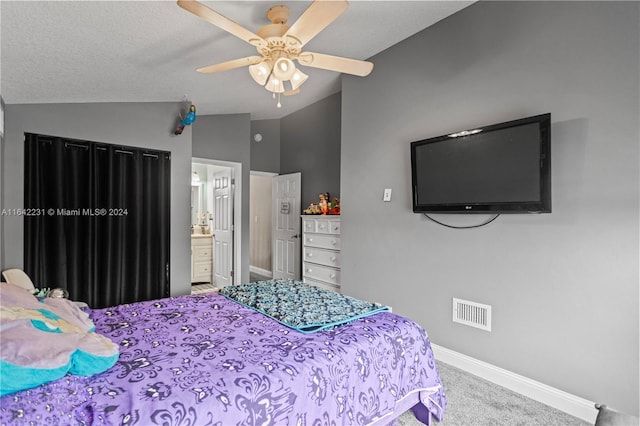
{"type": "Point", "coordinates": [147, 51]}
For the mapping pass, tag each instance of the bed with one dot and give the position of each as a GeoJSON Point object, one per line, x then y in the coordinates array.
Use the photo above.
{"type": "Point", "coordinates": [207, 359]}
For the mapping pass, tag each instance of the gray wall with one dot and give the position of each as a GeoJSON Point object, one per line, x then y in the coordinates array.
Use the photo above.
{"type": "Point", "coordinates": [310, 143]}
{"type": "Point", "coordinates": [2, 189]}
{"type": "Point", "coordinates": [265, 155]}
{"type": "Point", "coordinates": [563, 286]}
{"type": "Point", "coordinates": [146, 125]}
{"type": "Point", "coordinates": [226, 138]}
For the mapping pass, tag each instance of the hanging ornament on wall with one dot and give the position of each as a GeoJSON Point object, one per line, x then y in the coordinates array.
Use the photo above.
{"type": "Point", "coordinates": [189, 119]}
{"type": "Point", "coordinates": [189, 116]}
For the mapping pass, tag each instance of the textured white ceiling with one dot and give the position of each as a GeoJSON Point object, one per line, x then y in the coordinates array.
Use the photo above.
{"type": "Point", "coordinates": [147, 51]}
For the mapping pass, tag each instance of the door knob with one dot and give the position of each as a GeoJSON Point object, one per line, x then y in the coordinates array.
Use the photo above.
{"type": "Point", "coordinates": [295, 236]}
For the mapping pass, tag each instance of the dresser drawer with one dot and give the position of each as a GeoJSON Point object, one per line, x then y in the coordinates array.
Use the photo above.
{"type": "Point", "coordinates": [200, 241]}
{"type": "Point", "coordinates": [322, 226]}
{"type": "Point", "coordinates": [202, 253]}
{"type": "Point", "coordinates": [308, 225]}
{"type": "Point", "coordinates": [320, 284]}
{"type": "Point", "coordinates": [321, 256]}
{"type": "Point", "coordinates": [327, 226]}
{"type": "Point", "coordinates": [321, 273]}
{"type": "Point", "coordinates": [202, 271]}
{"type": "Point", "coordinates": [331, 242]}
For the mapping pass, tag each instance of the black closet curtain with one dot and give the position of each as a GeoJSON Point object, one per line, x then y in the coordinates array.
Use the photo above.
{"type": "Point", "coordinates": [98, 222]}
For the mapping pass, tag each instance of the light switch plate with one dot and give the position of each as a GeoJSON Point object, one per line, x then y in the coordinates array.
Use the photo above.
{"type": "Point", "coordinates": [387, 195]}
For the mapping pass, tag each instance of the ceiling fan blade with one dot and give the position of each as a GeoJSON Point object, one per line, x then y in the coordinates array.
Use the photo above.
{"type": "Point", "coordinates": [291, 92]}
{"type": "Point", "coordinates": [229, 65]}
{"type": "Point", "coordinates": [336, 63]}
{"type": "Point", "coordinates": [316, 18]}
{"type": "Point", "coordinates": [221, 21]}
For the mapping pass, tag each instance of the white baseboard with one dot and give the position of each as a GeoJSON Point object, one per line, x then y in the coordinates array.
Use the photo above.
{"type": "Point", "coordinates": [563, 401]}
{"type": "Point", "coordinates": [260, 271]}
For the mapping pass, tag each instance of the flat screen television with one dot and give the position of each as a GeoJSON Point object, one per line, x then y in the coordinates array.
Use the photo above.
{"type": "Point", "coordinates": [501, 168]}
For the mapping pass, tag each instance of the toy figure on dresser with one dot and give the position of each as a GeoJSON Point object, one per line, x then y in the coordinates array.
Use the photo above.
{"type": "Point", "coordinates": [334, 207]}
{"type": "Point", "coordinates": [324, 206]}
{"type": "Point", "coordinates": [313, 208]}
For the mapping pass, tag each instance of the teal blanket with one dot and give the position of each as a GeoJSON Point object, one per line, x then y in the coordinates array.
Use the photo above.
{"type": "Point", "coordinates": [300, 306]}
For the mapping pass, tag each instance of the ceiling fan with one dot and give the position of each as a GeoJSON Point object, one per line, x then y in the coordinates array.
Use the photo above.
{"type": "Point", "coordinates": [279, 45]}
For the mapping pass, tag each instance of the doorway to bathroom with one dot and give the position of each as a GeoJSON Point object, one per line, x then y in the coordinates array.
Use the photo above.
{"type": "Point", "coordinates": [215, 210]}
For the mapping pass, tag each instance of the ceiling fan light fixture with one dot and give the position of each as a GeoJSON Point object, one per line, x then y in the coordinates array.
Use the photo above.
{"type": "Point", "coordinates": [278, 44]}
{"type": "Point", "coordinates": [274, 85]}
{"type": "Point", "coordinates": [297, 79]}
{"type": "Point", "coordinates": [260, 72]}
{"type": "Point", "coordinates": [284, 69]}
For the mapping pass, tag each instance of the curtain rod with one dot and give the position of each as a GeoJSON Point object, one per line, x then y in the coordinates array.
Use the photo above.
{"type": "Point", "coordinates": [68, 144]}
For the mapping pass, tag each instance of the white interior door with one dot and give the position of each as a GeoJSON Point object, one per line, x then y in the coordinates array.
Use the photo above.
{"type": "Point", "coordinates": [286, 226]}
{"type": "Point", "coordinates": [223, 188]}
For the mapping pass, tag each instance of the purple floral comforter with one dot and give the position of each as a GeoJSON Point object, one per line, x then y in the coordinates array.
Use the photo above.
{"type": "Point", "coordinates": [206, 360]}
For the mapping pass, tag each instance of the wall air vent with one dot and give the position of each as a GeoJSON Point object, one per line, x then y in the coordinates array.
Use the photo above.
{"type": "Point", "coordinates": [472, 314]}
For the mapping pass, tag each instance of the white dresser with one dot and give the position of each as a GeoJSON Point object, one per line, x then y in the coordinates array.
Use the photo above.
{"type": "Point", "coordinates": [321, 251]}
{"type": "Point", "coordinates": [201, 258]}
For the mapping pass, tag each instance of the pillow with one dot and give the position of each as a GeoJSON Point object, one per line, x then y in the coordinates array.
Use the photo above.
{"type": "Point", "coordinates": [43, 341]}
{"type": "Point", "coordinates": [13, 295]}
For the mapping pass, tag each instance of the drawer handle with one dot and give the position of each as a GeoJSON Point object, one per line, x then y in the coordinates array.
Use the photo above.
{"type": "Point", "coordinates": [332, 276]}
{"type": "Point", "coordinates": [333, 242]}
{"type": "Point", "coordinates": [309, 270]}
{"type": "Point", "coordinates": [309, 254]}
{"type": "Point", "coordinates": [332, 258]}
{"type": "Point", "coordinates": [310, 240]}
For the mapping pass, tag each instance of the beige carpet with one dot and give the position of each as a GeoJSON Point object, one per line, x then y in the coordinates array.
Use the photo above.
{"type": "Point", "coordinates": [475, 401]}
